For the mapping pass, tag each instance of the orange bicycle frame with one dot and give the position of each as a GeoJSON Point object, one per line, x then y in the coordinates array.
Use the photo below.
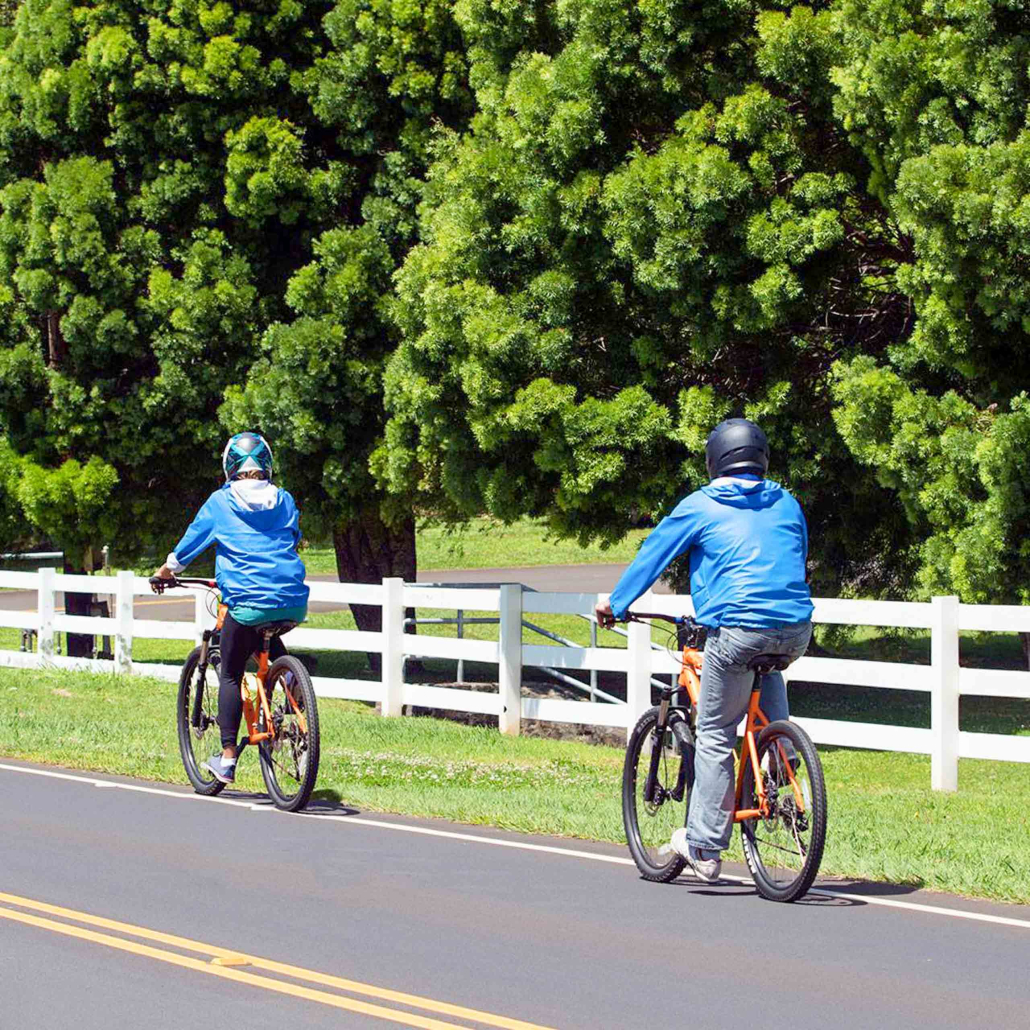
{"type": "Point", "coordinates": [690, 680]}
{"type": "Point", "coordinates": [254, 735]}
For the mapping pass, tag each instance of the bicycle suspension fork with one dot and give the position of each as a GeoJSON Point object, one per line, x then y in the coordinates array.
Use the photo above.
{"type": "Point", "coordinates": [650, 784]}
{"type": "Point", "coordinates": [198, 694]}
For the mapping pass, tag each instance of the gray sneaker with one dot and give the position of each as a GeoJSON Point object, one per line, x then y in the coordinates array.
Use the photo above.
{"type": "Point", "coordinates": [707, 865]}
{"type": "Point", "coordinates": [223, 769]}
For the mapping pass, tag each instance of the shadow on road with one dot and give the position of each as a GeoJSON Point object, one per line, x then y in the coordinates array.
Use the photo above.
{"type": "Point", "coordinates": [744, 890]}
{"type": "Point", "coordinates": [870, 889]}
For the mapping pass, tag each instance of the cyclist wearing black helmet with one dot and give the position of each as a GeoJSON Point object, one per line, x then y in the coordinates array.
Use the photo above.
{"type": "Point", "coordinates": [747, 543]}
{"type": "Point", "coordinates": [260, 575]}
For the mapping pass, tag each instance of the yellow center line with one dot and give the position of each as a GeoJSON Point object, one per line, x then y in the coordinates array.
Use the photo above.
{"type": "Point", "coordinates": [217, 954]}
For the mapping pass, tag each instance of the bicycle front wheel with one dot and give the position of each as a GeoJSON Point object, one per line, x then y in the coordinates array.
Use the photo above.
{"type": "Point", "coordinates": [197, 720]}
{"type": "Point", "coordinates": [656, 781]}
{"type": "Point", "coordinates": [289, 763]}
{"type": "Point", "coordinates": [784, 850]}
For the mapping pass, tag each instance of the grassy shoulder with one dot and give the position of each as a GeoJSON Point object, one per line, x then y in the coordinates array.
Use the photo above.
{"type": "Point", "coordinates": [885, 822]}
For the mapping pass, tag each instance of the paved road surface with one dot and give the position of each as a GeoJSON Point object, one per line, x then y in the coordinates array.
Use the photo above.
{"type": "Point", "coordinates": [576, 578]}
{"type": "Point", "coordinates": [560, 934]}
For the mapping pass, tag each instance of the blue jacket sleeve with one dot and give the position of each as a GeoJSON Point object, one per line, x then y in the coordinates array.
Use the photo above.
{"type": "Point", "coordinates": [670, 538]}
{"type": "Point", "coordinates": [294, 522]}
{"type": "Point", "coordinates": [199, 536]}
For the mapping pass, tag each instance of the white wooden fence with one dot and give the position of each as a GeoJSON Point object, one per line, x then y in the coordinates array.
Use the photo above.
{"type": "Point", "coordinates": [942, 679]}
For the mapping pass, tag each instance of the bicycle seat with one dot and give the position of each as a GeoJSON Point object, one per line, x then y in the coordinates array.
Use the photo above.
{"type": "Point", "coordinates": [763, 663]}
{"type": "Point", "coordinates": [275, 629]}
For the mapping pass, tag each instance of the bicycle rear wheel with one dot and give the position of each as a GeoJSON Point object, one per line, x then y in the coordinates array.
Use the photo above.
{"type": "Point", "coordinates": [783, 851]}
{"type": "Point", "coordinates": [197, 720]}
{"type": "Point", "coordinates": [289, 763]}
{"type": "Point", "coordinates": [650, 823]}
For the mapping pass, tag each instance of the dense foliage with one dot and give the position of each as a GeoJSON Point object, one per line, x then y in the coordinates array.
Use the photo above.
{"type": "Point", "coordinates": [518, 257]}
{"type": "Point", "coordinates": [154, 198]}
{"type": "Point", "coordinates": [938, 95]}
{"type": "Point", "coordinates": [201, 205]}
{"type": "Point", "coordinates": [655, 221]}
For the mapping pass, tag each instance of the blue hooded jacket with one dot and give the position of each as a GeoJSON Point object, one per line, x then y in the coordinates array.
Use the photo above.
{"type": "Point", "coordinates": [256, 561]}
{"type": "Point", "coordinates": [747, 541]}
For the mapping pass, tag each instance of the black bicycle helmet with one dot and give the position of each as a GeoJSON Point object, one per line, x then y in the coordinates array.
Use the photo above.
{"type": "Point", "coordinates": [735, 447]}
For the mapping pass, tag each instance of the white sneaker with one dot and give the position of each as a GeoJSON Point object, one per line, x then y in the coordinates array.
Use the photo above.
{"type": "Point", "coordinates": [707, 865]}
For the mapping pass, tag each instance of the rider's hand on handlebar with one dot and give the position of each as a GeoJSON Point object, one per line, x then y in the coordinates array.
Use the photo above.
{"type": "Point", "coordinates": [162, 573]}
{"type": "Point", "coordinates": [603, 614]}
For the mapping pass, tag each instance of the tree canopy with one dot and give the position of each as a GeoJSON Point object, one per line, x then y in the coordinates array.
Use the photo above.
{"type": "Point", "coordinates": [151, 208]}
{"type": "Point", "coordinates": [518, 258]}
{"type": "Point", "coordinates": [656, 220]}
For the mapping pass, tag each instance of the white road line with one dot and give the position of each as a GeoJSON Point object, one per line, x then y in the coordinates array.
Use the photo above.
{"type": "Point", "coordinates": [936, 910]}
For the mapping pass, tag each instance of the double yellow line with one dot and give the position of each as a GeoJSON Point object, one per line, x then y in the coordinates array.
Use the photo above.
{"type": "Point", "coordinates": [229, 965]}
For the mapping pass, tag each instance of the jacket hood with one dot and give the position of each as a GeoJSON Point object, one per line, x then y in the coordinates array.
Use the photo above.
{"type": "Point", "coordinates": [258, 502]}
{"type": "Point", "coordinates": [743, 493]}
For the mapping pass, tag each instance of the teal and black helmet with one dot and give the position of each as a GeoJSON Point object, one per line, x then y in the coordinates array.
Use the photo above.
{"type": "Point", "coordinates": [246, 452]}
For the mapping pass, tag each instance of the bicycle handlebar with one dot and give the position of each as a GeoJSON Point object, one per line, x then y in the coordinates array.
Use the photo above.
{"type": "Point", "coordinates": [690, 632]}
{"type": "Point", "coordinates": [645, 616]}
{"type": "Point", "coordinates": [160, 585]}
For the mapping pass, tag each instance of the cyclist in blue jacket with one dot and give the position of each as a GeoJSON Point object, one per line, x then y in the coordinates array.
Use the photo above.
{"type": "Point", "coordinates": [747, 544]}
{"type": "Point", "coordinates": [260, 575]}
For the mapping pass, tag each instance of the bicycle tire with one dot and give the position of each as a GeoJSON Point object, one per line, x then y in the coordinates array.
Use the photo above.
{"type": "Point", "coordinates": [648, 838]}
{"type": "Point", "coordinates": [295, 750]}
{"type": "Point", "coordinates": [193, 746]}
{"type": "Point", "coordinates": [809, 779]}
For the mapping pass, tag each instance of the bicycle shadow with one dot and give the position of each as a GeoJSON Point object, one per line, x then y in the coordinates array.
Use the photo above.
{"type": "Point", "coordinates": [329, 803]}
{"type": "Point", "coordinates": [731, 889]}
{"type": "Point", "coordinates": [323, 802]}
{"type": "Point", "coordinates": [823, 894]}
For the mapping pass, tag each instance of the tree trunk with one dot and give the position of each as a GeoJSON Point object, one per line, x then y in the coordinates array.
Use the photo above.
{"type": "Point", "coordinates": [56, 346]}
{"type": "Point", "coordinates": [1024, 639]}
{"type": "Point", "coordinates": [80, 645]}
{"type": "Point", "coordinates": [369, 551]}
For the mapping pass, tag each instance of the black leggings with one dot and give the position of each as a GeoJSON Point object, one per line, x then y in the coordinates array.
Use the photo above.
{"type": "Point", "coordinates": [238, 643]}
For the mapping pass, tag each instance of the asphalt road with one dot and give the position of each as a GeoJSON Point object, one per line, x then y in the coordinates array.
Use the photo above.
{"type": "Point", "coordinates": [577, 578]}
{"type": "Point", "coordinates": [527, 932]}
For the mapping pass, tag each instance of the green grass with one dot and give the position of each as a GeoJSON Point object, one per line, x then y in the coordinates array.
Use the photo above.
{"type": "Point", "coordinates": [481, 543]}
{"type": "Point", "coordinates": [815, 700]}
{"type": "Point", "coordinates": [485, 544]}
{"type": "Point", "coordinates": [885, 822]}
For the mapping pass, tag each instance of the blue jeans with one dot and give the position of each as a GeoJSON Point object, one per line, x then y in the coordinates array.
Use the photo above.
{"type": "Point", "coordinates": [725, 692]}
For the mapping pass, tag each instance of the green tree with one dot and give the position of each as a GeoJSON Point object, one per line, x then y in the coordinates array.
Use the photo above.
{"type": "Point", "coordinates": [392, 71]}
{"type": "Point", "coordinates": [156, 190]}
{"type": "Point", "coordinates": [654, 221]}
{"type": "Point", "coordinates": [936, 96]}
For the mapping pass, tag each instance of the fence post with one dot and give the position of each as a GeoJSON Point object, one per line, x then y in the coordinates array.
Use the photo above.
{"type": "Point", "coordinates": [461, 635]}
{"type": "Point", "coordinates": [638, 678]}
{"type": "Point", "coordinates": [944, 696]}
{"type": "Point", "coordinates": [509, 659]}
{"type": "Point", "coordinates": [123, 622]}
{"type": "Point", "coordinates": [45, 609]}
{"type": "Point", "coordinates": [392, 664]}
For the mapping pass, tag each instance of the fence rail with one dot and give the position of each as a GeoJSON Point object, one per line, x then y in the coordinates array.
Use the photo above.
{"type": "Point", "coordinates": [942, 679]}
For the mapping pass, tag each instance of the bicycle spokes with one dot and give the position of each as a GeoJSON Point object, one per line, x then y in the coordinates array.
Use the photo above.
{"type": "Point", "coordinates": [204, 734]}
{"type": "Point", "coordinates": [288, 750]}
{"type": "Point", "coordinates": [783, 835]}
{"type": "Point", "coordinates": [660, 794]}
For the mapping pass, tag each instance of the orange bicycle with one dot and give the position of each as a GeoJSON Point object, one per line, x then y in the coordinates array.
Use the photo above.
{"type": "Point", "coordinates": [780, 790]}
{"type": "Point", "coordinates": [279, 708]}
